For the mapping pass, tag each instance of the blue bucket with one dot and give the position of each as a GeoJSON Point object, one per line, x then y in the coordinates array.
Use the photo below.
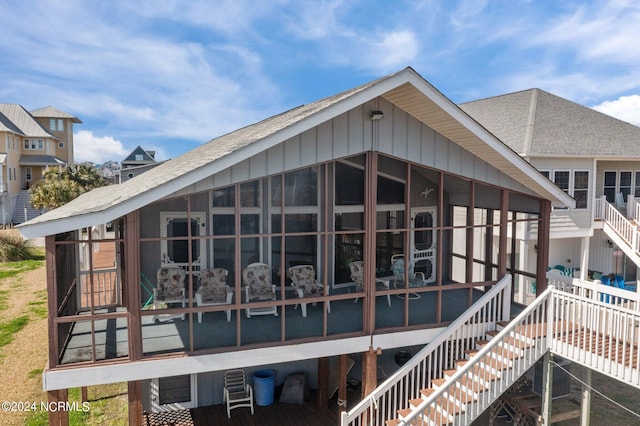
{"type": "Point", "coordinates": [263, 386]}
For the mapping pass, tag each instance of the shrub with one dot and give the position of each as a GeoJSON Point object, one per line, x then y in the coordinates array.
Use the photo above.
{"type": "Point", "coordinates": [13, 249]}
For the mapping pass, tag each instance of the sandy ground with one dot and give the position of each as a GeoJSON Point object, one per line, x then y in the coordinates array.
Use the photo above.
{"type": "Point", "coordinates": [22, 360]}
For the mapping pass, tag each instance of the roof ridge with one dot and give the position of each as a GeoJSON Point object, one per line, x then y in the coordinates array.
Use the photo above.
{"type": "Point", "coordinates": [531, 122]}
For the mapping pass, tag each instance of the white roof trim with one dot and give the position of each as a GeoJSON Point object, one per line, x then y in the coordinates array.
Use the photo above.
{"type": "Point", "coordinates": [41, 226]}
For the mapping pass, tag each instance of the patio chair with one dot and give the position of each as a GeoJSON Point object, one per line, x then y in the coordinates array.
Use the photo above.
{"type": "Point", "coordinates": [237, 392]}
{"type": "Point", "coordinates": [169, 288]}
{"type": "Point", "coordinates": [303, 280]}
{"type": "Point", "coordinates": [258, 288]}
{"type": "Point", "coordinates": [415, 279]}
{"type": "Point", "coordinates": [357, 276]}
{"type": "Point", "coordinates": [214, 290]}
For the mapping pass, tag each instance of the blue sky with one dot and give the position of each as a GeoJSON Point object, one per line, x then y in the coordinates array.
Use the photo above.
{"type": "Point", "coordinates": [169, 75]}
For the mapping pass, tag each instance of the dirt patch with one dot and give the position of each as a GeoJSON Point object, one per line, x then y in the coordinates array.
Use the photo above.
{"type": "Point", "coordinates": [22, 361]}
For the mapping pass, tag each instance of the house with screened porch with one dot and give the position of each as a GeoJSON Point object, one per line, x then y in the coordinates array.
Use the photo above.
{"type": "Point", "coordinates": [334, 234]}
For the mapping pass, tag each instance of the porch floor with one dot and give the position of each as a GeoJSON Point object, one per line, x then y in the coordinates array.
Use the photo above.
{"type": "Point", "coordinates": [171, 333]}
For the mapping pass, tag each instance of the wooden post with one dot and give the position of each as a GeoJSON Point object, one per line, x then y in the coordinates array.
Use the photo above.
{"type": "Point", "coordinates": [135, 402]}
{"type": "Point", "coordinates": [52, 297]}
{"type": "Point", "coordinates": [342, 383]}
{"type": "Point", "coordinates": [585, 403]}
{"type": "Point", "coordinates": [84, 394]}
{"type": "Point", "coordinates": [543, 246]}
{"type": "Point", "coordinates": [323, 382]}
{"type": "Point", "coordinates": [132, 282]}
{"type": "Point", "coordinates": [369, 372]}
{"type": "Point", "coordinates": [58, 417]}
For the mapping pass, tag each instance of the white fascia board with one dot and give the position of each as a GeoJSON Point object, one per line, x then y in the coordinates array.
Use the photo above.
{"type": "Point", "coordinates": [507, 153]}
{"type": "Point", "coordinates": [89, 219]}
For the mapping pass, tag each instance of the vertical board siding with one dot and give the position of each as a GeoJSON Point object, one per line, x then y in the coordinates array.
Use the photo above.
{"type": "Point", "coordinates": [357, 135]}
{"type": "Point", "coordinates": [324, 143]}
{"type": "Point", "coordinates": [340, 136]}
{"type": "Point", "coordinates": [399, 134]}
{"type": "Point", "coordinates": [292, 150]}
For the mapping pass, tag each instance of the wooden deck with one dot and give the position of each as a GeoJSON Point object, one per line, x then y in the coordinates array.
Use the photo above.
{"type": "Point", "coordinates": [276, 414]}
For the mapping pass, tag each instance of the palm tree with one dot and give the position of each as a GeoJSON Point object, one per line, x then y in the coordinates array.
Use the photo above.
{"type": "Point", "coordinates": [60, 185]}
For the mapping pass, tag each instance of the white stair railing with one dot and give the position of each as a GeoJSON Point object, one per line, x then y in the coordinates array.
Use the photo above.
{"type": "Point", "coordinates": [529, 332]}
{"type": "Point", "coordinates": [430, 363]}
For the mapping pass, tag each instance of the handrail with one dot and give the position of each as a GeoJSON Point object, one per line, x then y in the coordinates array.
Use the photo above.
{"type": "Point", "coordinates": [595, 291]}
{"type": "Point", "coordinates": [67, 296]}
{"type": "Point", "coordinates": [529, 318]}
{"type": "Point", "coordinates": [440, 354]}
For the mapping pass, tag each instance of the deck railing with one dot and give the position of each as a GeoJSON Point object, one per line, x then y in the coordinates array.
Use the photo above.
{"type": "Point", "coordinates": [622, 226]}
{"type": "Point", "coordinates": [439, 355]}
{"type": "Point", "coordinates": [595, 325]}
{"type": "Point", "coordinates": [595, 291]}
{"type": "Point", "coordinates": [106, 288]}
{"type": "Point", "coordinates": [530, 329]}
{"type": "Point", "coordinates": [608, 338]}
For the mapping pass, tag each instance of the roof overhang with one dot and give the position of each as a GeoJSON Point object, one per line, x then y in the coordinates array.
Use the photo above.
{"type": "Point", "coordinates": [406, 89]}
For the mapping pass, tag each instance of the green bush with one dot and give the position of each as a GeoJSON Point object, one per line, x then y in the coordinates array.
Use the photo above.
{"type": "Point", "coordinates": [14, 249]}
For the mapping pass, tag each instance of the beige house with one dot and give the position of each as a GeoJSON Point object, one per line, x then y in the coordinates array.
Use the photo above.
{"type": "Point", "coordinates": [33, 141]}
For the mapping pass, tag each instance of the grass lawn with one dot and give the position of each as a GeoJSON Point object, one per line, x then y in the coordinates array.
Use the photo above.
{"type": "Point", "coordinates": [23, 355]}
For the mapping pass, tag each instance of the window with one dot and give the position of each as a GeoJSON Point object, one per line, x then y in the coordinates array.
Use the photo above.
{"type": "Point", "coordinates": [56, 124]}
{"type": "Point", "coordinates": [575, 183]}
{"type": "Point", "coordinates": [622, 182]}
{"type": "Point", "coordinates": [33, 144]}
{"type": "Point", "coordinates": [27, 174]}
{"type": "Point", "coordinates": [581, 189]}
{"type": "Point", "coordinates": [138, 157]}
{"type": "Point", "coordinates": [60, 144]}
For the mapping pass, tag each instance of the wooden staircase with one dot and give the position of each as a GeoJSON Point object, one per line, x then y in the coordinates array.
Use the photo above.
{"type": "Point", "coordinates": [480, 371]}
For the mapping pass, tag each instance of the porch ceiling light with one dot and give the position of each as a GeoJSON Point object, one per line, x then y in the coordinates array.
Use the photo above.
{"type": "Point", "coordinates": [377, 115]}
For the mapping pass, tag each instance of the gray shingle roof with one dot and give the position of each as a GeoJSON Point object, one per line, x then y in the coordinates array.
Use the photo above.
{"type": "Point", "coordinates": [40, 160]}
{"type": "Point", "coordinates": [537, 123]}
{"type": "Point", "coordinates": [104, 204]}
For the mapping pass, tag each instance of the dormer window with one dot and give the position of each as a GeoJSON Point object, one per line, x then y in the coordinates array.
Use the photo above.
{"type": "Point", "coordinates": [138, 157]}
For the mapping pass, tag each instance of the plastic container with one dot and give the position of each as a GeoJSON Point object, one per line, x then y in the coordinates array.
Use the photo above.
{"type": "Point", "coordinates": [263, 387]}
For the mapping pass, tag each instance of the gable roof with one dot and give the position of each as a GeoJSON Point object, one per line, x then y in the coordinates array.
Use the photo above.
{"type": "Point", "coordinates": [24, 121]}
{"type": "Point", "coordinates": [7, 126]}
{"type": "Point", "coordinates": [537, 123]}
{"type": "Point", "coordinates": [406, 89]}
{"type": "Point", "coordinates": [146, 157]}
{"type": "Point", "coordinates": [52, 112]}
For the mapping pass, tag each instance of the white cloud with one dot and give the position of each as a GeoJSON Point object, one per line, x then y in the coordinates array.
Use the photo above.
{"type": "Point", "coordinates": [625, 108]}
{"type": "Point", "coordinates": [394, 50]}
{"type": "Point", "coordinates": [89, 147]}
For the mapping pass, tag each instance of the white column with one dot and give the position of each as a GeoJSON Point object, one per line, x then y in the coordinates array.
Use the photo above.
{"type": "Point", "coordinates": [547, 387]}
{"type": "Point", "coordinates": [585, 403]}
{"type": "Point", "coordinates": [584, 257]}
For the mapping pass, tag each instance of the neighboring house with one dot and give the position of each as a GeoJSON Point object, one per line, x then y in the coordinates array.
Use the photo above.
{"type": "Point", "coordinates": [388, 168]}
{"type": "Point", "coordinates": [110, 170]}
{"type": "Point", "coordinates": [592, 157]}
{"type": "Point", "coordinates": [33, 141]}
{"type": "Point", "coordinates": [136, 163]}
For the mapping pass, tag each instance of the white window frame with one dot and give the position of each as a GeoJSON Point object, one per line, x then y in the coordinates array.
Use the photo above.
{"type": "Point", "coordinates": [165, 261]}
{"type": "Point", "coordinates": [571, 185]}
{"type": "Point", "coordinates": [33, 144]}
{"type": "Point", "coordinates": [28, 174]}
{"type": "Point", "coordinates": [154, 396]}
